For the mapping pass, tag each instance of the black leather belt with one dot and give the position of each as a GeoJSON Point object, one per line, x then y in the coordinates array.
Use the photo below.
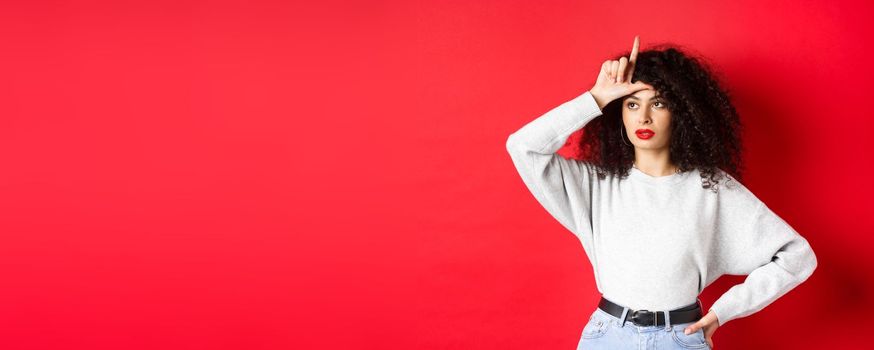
{"type": "Point", "coordinates": [690, 313]}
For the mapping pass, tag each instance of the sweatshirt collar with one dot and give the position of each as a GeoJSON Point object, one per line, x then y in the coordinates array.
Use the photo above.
{"type": "Point", "coordinates": [641, 176]}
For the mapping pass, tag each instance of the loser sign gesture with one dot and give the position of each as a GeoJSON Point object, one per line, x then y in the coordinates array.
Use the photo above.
{"type": "Point", "coordinates": [614, 78]}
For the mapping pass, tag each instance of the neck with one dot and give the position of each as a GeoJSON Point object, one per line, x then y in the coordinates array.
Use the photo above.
{"type": "Point", "coordinates": [654, 162]}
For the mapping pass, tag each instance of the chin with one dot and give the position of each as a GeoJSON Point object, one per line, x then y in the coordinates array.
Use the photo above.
{"type": "Point", "coordinates": [649, 146]}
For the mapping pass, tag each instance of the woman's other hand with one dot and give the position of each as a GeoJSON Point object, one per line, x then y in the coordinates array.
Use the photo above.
{"type": "Point", "coordinates": [709, 322]}
{"type": "Point", "coordinates": [614, 79]}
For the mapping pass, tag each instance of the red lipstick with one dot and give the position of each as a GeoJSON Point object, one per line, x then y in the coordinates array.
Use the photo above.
{"type": "Point", "coordinates": [644, 134]}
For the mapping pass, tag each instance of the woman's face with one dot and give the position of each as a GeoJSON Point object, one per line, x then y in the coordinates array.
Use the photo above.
{"type": "Point", "coordinates": [643, 111]}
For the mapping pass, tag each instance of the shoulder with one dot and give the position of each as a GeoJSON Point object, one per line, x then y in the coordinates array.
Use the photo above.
{"type": "Point", "coordinates": [734, 194]}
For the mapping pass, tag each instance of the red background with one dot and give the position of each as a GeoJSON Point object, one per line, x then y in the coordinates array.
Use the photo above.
{"type": "Point", "coordinates": [276, 175]}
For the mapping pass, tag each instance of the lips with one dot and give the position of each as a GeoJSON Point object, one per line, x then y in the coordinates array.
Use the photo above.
{"type": "Point", "coordinates": [644, 133]}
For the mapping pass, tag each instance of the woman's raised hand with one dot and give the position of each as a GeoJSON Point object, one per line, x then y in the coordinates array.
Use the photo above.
{"type": "Point", "coordinates": [614, 80]}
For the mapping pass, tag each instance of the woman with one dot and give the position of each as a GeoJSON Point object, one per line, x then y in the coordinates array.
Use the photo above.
{"type": "Point", "coordinates": [657, 204]}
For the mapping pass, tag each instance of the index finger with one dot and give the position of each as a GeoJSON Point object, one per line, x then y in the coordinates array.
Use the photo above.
{"type": "Point", "coordinates": [633, 57]}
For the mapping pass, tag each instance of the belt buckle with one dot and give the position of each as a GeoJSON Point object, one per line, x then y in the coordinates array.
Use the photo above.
{"type": "Point", "coordinates": [643, 317]}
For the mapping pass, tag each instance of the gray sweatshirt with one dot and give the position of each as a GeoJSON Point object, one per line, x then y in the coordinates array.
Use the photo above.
{"type": "Point", "coordinates": [656, 242]}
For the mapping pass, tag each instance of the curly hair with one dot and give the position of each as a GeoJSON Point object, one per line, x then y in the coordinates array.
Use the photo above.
{"type": "Point", "coordinates": [705, 127]}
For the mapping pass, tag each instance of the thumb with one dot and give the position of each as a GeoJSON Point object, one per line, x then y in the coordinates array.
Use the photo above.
{"type": "Point", "coordinates": [639, 85]}
{"type": "Point", "coordinates": [692, 328]}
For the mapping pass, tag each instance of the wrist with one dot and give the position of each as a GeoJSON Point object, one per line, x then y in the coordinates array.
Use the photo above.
{"type": "Point", "coordinates": [599, 99]}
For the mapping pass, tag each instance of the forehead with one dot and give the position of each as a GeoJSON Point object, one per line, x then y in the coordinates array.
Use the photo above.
{"type": "Point", "coordinates": [645, 94]}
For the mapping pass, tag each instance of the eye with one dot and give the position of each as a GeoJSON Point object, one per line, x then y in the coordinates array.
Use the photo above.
{"type": "Point", "coordinates": [630, 103]}
{"type": "Point", "coordinates": [660, 103]}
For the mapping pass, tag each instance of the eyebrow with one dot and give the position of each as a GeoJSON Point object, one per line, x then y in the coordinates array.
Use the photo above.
{"type": "Point", "coordinates": [637, 98]}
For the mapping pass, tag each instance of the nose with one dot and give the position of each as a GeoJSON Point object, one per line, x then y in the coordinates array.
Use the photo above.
{"type": "Point", "coordinates": [644, 118]}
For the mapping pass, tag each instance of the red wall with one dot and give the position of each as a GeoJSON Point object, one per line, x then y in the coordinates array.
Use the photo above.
{"type": "Point", "coordinates": [269, 175]}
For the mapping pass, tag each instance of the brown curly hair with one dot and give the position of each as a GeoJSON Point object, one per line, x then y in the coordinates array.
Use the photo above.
{"type": "Point", "coordinates": [705, 127]}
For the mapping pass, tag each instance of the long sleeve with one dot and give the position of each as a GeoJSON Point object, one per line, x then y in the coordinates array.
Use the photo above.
{"type": "Point", "coordinates": [773, 255]}
{"type": "Point", "coordinates": [562, 186]}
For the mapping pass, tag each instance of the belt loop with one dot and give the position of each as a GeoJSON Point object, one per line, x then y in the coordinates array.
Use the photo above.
{"type": "Point", "coordinates": [667, 321]}
{"type": "Point", "coordinates": [622, 318]}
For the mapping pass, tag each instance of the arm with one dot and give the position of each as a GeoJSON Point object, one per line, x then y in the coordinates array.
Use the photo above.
{"type": "Point", "coordinates": [775, 257]}
{"type": "Point", "coordinates": [562, 186]}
